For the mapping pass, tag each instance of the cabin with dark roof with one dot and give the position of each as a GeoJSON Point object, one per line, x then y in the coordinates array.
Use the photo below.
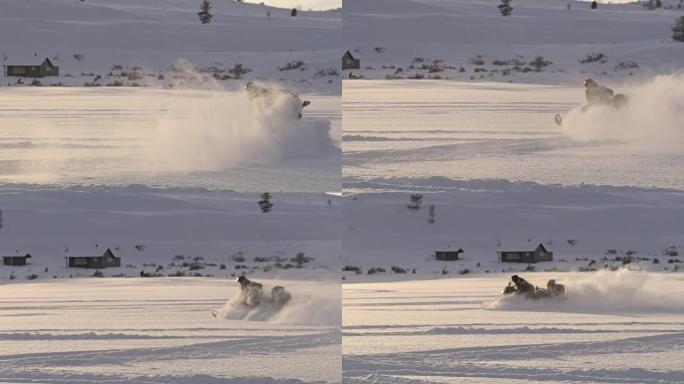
{"type": "Point", "coordinates": [448, 255]}
{"type": "Point", "coordinates": [16, 260]}
{"type": "Point", "coordinates": [350, 62]}
{"type": "Point", "coordinates": [31, 67]}
{"type": "Point", "coordinates": [107, 260]}
{"type": "Point", "coordinates": [528, 257]}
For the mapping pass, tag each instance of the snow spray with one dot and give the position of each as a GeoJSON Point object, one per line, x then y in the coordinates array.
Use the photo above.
{"type": "Point", "coordinates": [655, 113]}
{"type": "Point", "coordinates": [211, 129]}
{"type": "Point", "coordinates": [319, 305]}
{"type": "Point", "coordinates": [623, 291]}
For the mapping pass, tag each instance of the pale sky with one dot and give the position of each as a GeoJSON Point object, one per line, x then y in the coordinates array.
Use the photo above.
{"type": "Point", "coordinates": [306, 4]}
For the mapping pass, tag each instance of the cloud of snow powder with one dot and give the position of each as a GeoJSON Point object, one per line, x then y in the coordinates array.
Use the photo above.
{"type": "Point", "coordinates": [623, 291]}
{"type": "Point", "coordinates": [318, 304]}
{"type": "Point", "coordinates": [210, 129]}
{"type": "Point", "coordinates": [655, 114]}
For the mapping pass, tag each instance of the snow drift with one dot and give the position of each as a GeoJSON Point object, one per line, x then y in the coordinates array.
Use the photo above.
{"type": "Point", "coordinates": [624, 291]}
{"type": "Point", "coordinates": [317, 306]}
{"type": "Point", "coordinates": [654, 114]}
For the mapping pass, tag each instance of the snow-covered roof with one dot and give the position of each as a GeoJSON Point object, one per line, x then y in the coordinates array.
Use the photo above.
{"type": "Point", "coordinates": [521, 246]}
{"type": "Point", "coordinates": [13, 59]}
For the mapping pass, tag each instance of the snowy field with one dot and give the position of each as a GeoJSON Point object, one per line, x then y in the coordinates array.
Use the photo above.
{"type": "Point", "coordinates": [191, 232]}
{"type": "Point", "coordinates": [162, 331]}
{"type": "Point", "coordinates": [614, 327]}
{"type": "Point", "coordinates": [136, 43]}
{"type": "Point", "coordinates": [400, 134]}
{"type": "Point", "coordinates": [470, 40]}
{"type": "Point", "coordinates": [167, 138]}
{"type": "Point", "coordinates": [585, 228]}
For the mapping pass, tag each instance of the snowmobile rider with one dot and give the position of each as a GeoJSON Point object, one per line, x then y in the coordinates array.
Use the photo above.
{"type": "Point", "coordinates": [597, 94]}
{"type": "Point", "coordinates": [246, 284]}
{"type": "Point", "coordinates": [554, 288]}
{"type": "Point", "coordinates": [522, 285]}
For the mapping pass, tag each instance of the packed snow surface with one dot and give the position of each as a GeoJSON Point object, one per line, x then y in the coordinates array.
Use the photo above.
{"type": "Point", "coordinates": [614, 327]}
{"type": "Point", "coordinates": [168, 138]}
{"type": "Point", "coordinates": [162, 331]}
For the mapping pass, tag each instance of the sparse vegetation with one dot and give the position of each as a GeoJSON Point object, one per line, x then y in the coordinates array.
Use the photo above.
{"type": "Point", "coordinates": [678, 29]}
{"type": "Point", "coordinates": [265, 203]}
{"type": "Point", "coordinates": [415, 200]}
{"type": "Point", "coordinates": [204, 14]}
{"type": "Point", "coordinates": [505, 8]}
{"type": "Point", "coordinates": [292, 65]}
{"type": "Point", "coordinates": [593, 58]}
{"type": "Point", "coordinates": [239, 70]}
{"type": "Point", "coordinates": [352, 268]}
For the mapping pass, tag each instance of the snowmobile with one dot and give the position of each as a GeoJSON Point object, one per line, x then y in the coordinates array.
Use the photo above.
{"type": "Point", "coordinates": [268, 94]}
{"type": "Point", "coordinates": [521, 287]}
{"type": "Point", "coordinates": [598, 95]}
{"type": "Point", "coordinates": [252, 294]}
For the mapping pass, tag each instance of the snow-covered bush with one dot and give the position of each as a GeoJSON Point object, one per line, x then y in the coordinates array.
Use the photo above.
{"type": "Point", "coordinates": [238, 70]}
{"type": "Point", "coordinates": [539, 63]}
{"type": "Point", "coordinates": [678, 29]}
{"type": "Point", "coordinates": [265, 203]}
{"type": "Point", "coordinates": [505, 7]}
{"type": "Point", "coordinates": [416, 199]}
{"type": "Point", "coordinates": [593, 57]}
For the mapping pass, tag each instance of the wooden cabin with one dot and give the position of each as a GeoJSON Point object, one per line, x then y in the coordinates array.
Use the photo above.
{"type": "Point", "coordinates": [16, 260]}
{"type": "Point", "coordinates": [350, 62]}
{"type": "Point", "coordinates": [448, 255]}
{"type": "Point", "coordinates": [107, 260]}
{"type": "Point", "coordinates": [31, 67]}
{"type": "Point", "coordinates": [541, 253]}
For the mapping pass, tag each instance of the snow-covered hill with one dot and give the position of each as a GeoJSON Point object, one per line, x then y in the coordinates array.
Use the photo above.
{"type": "Point", "coordinates": [134, 42]}
{"type": "Point", "coordinates": [470, 40]}
{"type": "Point", "coordinates": [169, 232]}
{"type": "Point", "coordinates": [586, 227]}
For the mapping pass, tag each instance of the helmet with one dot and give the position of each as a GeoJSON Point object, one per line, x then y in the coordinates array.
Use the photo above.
{"type": "Point", "coordinates": [515, 278]}
{"type": "Point", "coordinates": [551, 283]}
{"type": "Point", "coordinates": [241, 279]}
{"type": "Point", "coordinates": [589, 83]}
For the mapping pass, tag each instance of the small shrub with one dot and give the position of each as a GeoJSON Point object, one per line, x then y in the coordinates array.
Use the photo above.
{"type": "Point", "coordinates": [398, 269]}
{"type": "Point", "coordinates": [204, 14]}
{"type": "Point", "coordinates": [505, 8]}
{"type": "Point", "coordinates": [351, 268]}
{"type": "Point", "coordinates": [476, 60]}
{"type": "Point", "coordinates": [593, 57]}
{"type": "Point", "coordinates": [678, 29]}
{"type": "Point", "coordinates": [539, 63]}
{"type": "Point", "coordinates": [375, 270]}
{"type": "Point", "coordinates": [291, 65]}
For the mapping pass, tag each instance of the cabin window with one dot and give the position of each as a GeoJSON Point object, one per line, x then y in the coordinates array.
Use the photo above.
{"type": "Point", "coordinates": [80, 262]}
{"type": "Point", "coordinates": [19, 70]}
